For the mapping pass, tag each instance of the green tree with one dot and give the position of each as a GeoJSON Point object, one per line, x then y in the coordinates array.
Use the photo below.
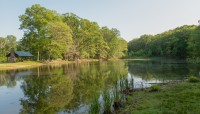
{"type": "Point", "coordinates": [194, 44]}
{"type": "Point", "coordinates": [6, 44]}
{"type": "Point", "coordinates": [12, 41]}
{"type": "Point", "coordinates": [55, 35]}
{"type": "Point", "coordinates": [73, 21]}
{"type": "Point", "coordinates": [3, 43]}
{"type": "Point", "coordinates": [117, 46]}
{"type": "Point", "coordinates": [34, 23]}
{"type": "Point", "coordinates": [60, 39]}
{"type": "Point", "coordinates": [88, 34]}
{"type": "Point", "coordinates": [122, 47]}
{"type": "Point", "coordinates": [172, 43]}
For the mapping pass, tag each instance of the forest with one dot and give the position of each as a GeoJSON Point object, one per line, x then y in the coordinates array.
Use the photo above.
{"type": "Point", "coordinates": [182, 42]}
{"type": "Point", "coordinates": [51, 35]}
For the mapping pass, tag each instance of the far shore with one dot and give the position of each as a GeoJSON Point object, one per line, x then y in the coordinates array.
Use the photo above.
{"type": "Point", "coordinates": [33, 64]}
{"type": "Point", "coordinates": [139, 59]}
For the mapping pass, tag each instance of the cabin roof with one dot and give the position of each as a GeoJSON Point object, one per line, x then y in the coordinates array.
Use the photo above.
{"type": "Point", "coordinates": [23, 54]}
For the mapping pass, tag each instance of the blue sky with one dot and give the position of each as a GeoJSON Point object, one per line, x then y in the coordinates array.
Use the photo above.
{"type": "Point", "coordinates": [132, 17]}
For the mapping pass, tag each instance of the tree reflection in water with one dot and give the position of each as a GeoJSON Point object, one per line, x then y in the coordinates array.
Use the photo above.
{"type": "Point", "coordinates": [56, 89]}
{"type": "Point", "coordinates": [46, 94]}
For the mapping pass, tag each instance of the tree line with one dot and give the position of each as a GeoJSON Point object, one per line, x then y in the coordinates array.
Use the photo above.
{"type": "Point", "coordinates": [67, 36]}
{"type": "Point", "coordinates": [182, 42]}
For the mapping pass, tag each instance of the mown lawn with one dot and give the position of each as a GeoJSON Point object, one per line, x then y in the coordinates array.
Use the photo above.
{"type": "Point", "coordinates": [18, 65]}
{"type": "Point", "coordinates": [179, 98]}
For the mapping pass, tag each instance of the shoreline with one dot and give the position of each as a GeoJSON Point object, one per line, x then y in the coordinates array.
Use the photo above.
{"type": "Point", "coordinates": [33, 64]}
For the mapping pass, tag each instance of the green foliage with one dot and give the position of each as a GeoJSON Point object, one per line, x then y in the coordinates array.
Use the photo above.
{"type": "Point", "coordinates": [6, 44]}
{"type": "Point", "coordinates": [193, 60]}
{"type": "Point", "coordinates": [60, 39]}
{"type": "Point", "coordinates": [11, 41]}
{"type": "Point", "coordinates": [172, 43]}
{"type": "Point", "coordinates": [154, 88]}
{"type": "Point", "coordinates": [34, 24]}
{"type": "Point", "coordinates": [73, 21]}
{"type": "Point", "coordinates": [3, 43]}
{"type": "Point", "coordinates": [117, 46]}
{"type": "Point", "coordinates": [68, 36]}
{"type": "Point", "coordinates": [3, 59]}
{"type": "Point", "coordinates": [193, 79]}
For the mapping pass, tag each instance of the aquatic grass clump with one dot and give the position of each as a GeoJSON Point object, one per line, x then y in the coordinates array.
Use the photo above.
{"type": "Point", "coordinates": [107, 104]}
{"type": "Point", "coordinates": [126, 85]}
{"type": "Point", "coordinates": [132, 83]}
{"type": "Point", "coordinates": [95, 107]}
{"type": "Point", "coordinates": [116, 97]}
{"type": "Point", "coordinates": [154, 88]}
{"type": "Point", "coordinates": [193, 79]}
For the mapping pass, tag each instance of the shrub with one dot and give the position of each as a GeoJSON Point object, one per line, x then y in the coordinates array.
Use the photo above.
{"type": "Point", "coordinates": [154, 88]}
{"type": "Point", "coordinates": [3, 59]}
{"type": "Point", "coordinates": [193, 60]}
{"type": "Point", "coordinates": [193, 79]}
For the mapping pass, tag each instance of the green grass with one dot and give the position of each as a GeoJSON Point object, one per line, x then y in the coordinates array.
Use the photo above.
{"type": "Point", "coordinates": [18, 65]}
{"type": "Point", "coordinates": [32, 64]}
{"type": "Point", "coordinates": [181, 98]}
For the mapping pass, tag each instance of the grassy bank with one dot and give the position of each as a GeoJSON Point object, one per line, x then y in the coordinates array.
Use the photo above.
{"type": "Point", "coordinates": [19, 65]}
{"type": "Point", "coordinates": [32, 64]}
{"type": "Point", "coordinates": [179, 98]}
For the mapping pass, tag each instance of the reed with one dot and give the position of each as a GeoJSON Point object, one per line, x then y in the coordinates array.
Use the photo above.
{"type": "Point", "coordinates": [126, 84]}
{"type": "Point", "coordinates": [132, 83]}
{"type": "Point", "coordinates": [107, 104]}
{"type": "Point", "coordinates": [95, 107]}
{"type": "Point", "coordinates": [116, 97]}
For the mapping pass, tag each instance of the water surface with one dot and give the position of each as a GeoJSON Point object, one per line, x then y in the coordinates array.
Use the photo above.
{"type": "Point", "coordinates": [71, 88]}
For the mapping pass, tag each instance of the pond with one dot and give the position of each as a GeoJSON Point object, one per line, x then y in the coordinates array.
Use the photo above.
{"type": "Point", "coordinates": [71, 88]}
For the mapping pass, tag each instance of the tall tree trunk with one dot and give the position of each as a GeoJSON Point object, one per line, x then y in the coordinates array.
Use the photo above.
{"type": "Point", "coordinates": [12, 55]}
{"type": "Point", "coordinates": [38, 57]}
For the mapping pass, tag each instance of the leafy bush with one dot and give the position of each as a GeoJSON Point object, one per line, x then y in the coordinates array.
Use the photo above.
{"type": "Point", "coordinates": [193, 79]}
{"type": "Point", "coordinates": [154, 88]}
{"type": "Point", "coordinates": [3, 59]}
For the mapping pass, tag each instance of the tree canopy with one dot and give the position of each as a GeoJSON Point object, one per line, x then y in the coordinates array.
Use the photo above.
{"type": "Point", "coordinates": [55, 35]}
{"type": "Point", "coordinates": [10, 41]}
{"type": "Point", "coordinates": [181, 42]}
